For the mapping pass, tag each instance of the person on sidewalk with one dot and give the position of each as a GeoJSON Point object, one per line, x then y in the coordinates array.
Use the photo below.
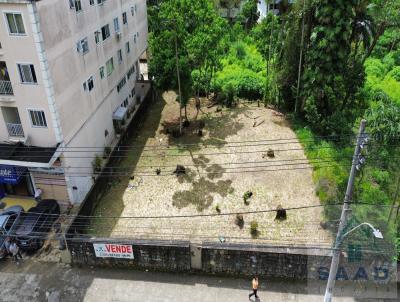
{"type": "Point", "coordinates": [14, 250]}
{"type": "Point", "coordinates": [255, 287]}
{"type": "Point", "coordinates": [6, 250]}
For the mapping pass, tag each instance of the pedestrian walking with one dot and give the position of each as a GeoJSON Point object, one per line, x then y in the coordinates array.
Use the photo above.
{"type": "Point", "coordinates": [14, 250]}
{"type": "Point", "coordinates": [6, 250]}
{"type": "Point", "coordinates": [254, 284]}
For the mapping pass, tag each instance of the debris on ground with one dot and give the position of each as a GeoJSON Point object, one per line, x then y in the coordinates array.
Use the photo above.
{"type": "Point", "coordinates": [270, 153]}
{"type": "Point", "coordinates": [180, 170]}
{"type": "Point", "coordinates": [256, 124]}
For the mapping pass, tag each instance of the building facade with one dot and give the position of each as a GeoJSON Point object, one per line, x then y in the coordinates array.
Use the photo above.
{"type": "Point", "coordinates": [69, 81]}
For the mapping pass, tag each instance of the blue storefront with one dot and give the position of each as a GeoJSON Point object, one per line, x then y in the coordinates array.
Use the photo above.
{"type": "Point", "coordinates": [15, 180]}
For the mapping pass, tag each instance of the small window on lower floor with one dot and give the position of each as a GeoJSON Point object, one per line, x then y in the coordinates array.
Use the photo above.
{"type": "Point", "coordinates": [119, 55]}
{"type": "Point", "coordinates": [38, 119]}
{"type": "Point", "coordinates": [102, 72]}
{"type": "Point", "coordinates": [89, 84]}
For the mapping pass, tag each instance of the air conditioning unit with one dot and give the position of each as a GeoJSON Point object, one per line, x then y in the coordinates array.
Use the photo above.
{"type": "Point", "coordinates": [118, 35]}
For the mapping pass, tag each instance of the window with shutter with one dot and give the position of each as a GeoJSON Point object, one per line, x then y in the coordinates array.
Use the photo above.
{"type": "Point", "coordinates": [38, 118]}
{"type": "Point", "coordinates": [27, 73]}
{"type": "Point", "coordinates": [105, 32]}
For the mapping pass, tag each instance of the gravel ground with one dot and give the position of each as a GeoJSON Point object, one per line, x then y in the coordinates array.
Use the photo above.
{"type": "Point", "coordinates": [218, 172]}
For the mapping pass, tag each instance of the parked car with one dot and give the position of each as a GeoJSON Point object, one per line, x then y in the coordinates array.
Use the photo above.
{"type": "Point", "coordinates": [8, 217]}
{"type": "Point", "coordinates": [33, 226]}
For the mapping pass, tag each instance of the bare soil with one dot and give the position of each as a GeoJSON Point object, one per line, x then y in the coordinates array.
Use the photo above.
{"type": "Point", "coordinates": [219, 170]}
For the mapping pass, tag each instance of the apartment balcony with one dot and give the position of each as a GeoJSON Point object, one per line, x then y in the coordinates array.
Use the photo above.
{"type": "Point", "coordinates": [15, 130]}
{"type": "Point", "coordinates": [6, 88]}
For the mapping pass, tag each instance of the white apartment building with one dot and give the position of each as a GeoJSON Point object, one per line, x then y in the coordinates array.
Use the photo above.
{"type": "Point", "coordinates": [69, 77]}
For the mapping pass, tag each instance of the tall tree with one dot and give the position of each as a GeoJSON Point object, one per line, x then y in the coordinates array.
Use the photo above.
{"type": "Point", "coordinates": [197, 29]}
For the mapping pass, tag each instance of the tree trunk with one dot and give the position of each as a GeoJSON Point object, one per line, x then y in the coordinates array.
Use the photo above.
{"type": "Point", "coordinates": [379, 32]}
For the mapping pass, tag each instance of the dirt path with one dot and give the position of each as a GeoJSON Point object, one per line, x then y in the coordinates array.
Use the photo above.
{"type": "Point", "coordinates": [219, 170]}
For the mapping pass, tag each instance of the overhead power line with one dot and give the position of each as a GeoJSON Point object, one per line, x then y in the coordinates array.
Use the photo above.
{"type": "Point", "coordinates": [201, 143]}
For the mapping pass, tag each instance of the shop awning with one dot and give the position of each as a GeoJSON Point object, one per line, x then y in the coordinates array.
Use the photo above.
{"type": "Point", "coordinates": [11, 174]}
{"type": "Point", "coordinates": [120, 113]}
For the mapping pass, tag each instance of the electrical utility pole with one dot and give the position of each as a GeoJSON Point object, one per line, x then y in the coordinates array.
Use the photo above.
{"type": "Point", "coordinates": [356, 164]}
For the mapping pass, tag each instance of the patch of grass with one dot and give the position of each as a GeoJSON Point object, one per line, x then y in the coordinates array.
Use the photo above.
{"type": "Point", "coordinates": [331, 160]}
{"type": "Point", "coordinates": [254, 229]}
{"type": "Point", "coordinates": [246, 197]}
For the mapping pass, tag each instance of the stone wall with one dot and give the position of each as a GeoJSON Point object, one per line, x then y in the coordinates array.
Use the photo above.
{"type": "Point", "coordinates": [240, 262]}
{"type": "Point", "coordinates": [234, 259]}
{"type": "Point", "coordinates": [153, 255]}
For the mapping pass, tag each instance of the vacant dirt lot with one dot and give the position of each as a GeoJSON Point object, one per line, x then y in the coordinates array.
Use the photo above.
{"type": "Point", "coordinates": [228, 160]}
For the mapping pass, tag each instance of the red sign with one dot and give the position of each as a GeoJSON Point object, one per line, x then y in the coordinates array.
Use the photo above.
{"type": "Point", "coordinates": [113, 250]}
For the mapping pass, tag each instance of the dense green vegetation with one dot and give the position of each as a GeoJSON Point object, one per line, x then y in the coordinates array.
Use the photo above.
{"type": "Point", "coordinates": [327, 64]}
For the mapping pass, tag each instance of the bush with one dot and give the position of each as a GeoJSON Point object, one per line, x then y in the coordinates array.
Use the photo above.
{"type": "Point", "coordinates": [395, 73]}
{"type": "Point", "coordinates": [97, 163]}
{"type": "Point", "coordinates": [243, 69]}
{"type": "Point", "coordinates": [254, 228]}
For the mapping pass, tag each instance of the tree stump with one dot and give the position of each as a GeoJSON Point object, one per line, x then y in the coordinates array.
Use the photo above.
{"type": "Point", "coordinates": [280, 213]}
{"type": "Point", "coordinates": [180, 170]}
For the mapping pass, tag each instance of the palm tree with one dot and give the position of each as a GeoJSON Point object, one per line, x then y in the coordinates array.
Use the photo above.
{"type": "Point", "coordinates": [363, 27]}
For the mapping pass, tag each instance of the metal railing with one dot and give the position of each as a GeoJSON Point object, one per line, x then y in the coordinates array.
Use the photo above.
{"type": "Point", "coordinates": [15, 130]}
{"type": "Point", "coordinates": [6, 88]}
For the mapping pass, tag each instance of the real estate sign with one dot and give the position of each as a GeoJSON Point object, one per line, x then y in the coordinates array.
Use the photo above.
{"type": "Point", "coordinates": [113, 251]}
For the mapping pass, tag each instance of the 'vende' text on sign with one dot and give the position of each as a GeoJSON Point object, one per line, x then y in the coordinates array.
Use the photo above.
{"type": "Point", "coordinates": [113, 251]}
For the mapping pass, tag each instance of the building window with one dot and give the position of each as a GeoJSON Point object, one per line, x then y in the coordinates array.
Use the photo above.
{"type": "Point", "coordinates": [127, 47]}
{"type": "Point", "coordinates": [89, 84]}
{"type": "Point", "coordinates": [101, 72]}
{"type": "Point", "coordinates": [27, 73]}
{"type": "Point", "coordinates": [100, 2]}
{"type": "Point", "coordinates": [97, 36]}
{"type": "Point", "coordinates": [137, 34]}
{"type": "Point", "coordinates": [78, 5]}
{"type": "Point", "coordinates": [105, 31]}
{"type": "Point", "coordinates": [124, 18]}
{"type": "Point", "coordinates": [133, 92]}
{"type": "Point", "coordinates": [110, 66]}
{"type": "Point", "coordinates": [132, 11]}
{"type": "Point", "coordinates": [125, 103]}
{"type": "Point", "coordinates": [116, 25]}
{"type": "Point", "coordinates": [134, 38]}
{"type": "Point", "coordinates": [15, 24]}
{"type": "Point", "coordinates": [38, 119]}
{"type": "Point", "coordinates": [121, 84]}
{"type": "Point", "coordinates": [119, 55]}
{"type": "Point", "coordinates": [91, 2]}
{"type": "Point", "coordinates": [131, 71]}
{"type": "Point", "coordinates": [83, 46]}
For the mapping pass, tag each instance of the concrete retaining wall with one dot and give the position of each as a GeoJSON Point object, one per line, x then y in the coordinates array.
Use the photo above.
{"type": "Point", "coordinates": [154, 255]}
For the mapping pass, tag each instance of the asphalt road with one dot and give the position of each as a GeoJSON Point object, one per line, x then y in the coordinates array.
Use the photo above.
{"type": "Point", "coordinates": [34, 281]}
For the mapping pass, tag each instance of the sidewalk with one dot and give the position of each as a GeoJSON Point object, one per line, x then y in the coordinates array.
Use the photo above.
{"type": "Point", "coordinates": [58, 282]}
